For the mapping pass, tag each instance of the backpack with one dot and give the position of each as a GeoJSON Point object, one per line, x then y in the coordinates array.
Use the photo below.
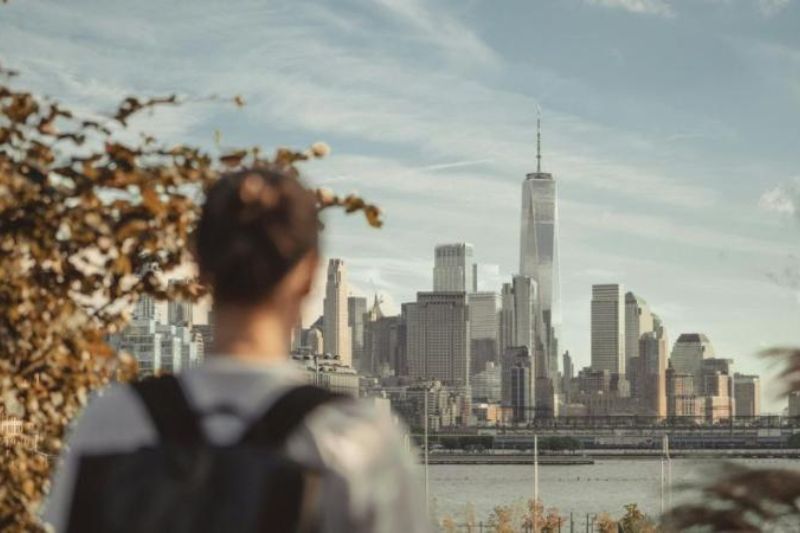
{"type": "Point", "coordinates": [184, 484]}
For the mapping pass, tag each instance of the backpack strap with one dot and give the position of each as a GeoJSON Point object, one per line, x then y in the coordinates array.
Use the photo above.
{"type": "Point", "coordinates": [273, 428]}
{"type": "Point", "coordinates": [169, 410]}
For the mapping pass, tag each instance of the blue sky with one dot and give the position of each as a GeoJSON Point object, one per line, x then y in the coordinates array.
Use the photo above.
{"type": "Point", "coordinates": [671, 126]}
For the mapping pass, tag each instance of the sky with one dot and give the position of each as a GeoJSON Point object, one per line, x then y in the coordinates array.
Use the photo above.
{"type": "Point", "coordinates": [671, 128]}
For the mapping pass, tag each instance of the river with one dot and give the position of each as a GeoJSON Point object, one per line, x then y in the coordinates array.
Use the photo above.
{"type": "Point", "coordinates": [605, 486]}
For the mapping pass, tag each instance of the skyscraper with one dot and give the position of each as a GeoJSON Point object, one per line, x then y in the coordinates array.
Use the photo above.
{"type": "Point", "coordinates": [505, 334]}
{"type": "Point", "coordinates": [484, 322]}
{"type": "Point", "coordinates": [608, 328]}
{"type": "Point", "coordinates": [356, 308]}
{"type": "Point", "coordinates": [651, 385]}
{"type": "Point", "coordinates": [438, 337]}
{"type": "Point", "coordinates": [336, 336]}
{"type": "Point", "coordinates": [517, 384]}
{"type": "Point", "coordinates": [747, 391]}
{"type": "Point", "coordinates": [453, 268]}
{"type": "Point", "coordinates": [638, 321]}
{"type": "Point", "coordinates": [538, 257]}
{"type": "Point", "coordinates": [179, 312]}
{"type": "Point", "coordinates": [688, 353]}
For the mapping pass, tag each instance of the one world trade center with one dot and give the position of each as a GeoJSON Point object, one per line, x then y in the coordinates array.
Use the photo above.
{"type": "Point", "coordinates": [538, 258]}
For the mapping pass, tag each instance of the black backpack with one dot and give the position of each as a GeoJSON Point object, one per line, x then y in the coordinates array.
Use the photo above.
{"type": "Point", "coordinates": [184, 484]}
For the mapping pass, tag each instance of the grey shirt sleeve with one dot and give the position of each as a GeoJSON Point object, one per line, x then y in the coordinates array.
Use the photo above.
{"type": "Point", "coordinates": [115, 420]}
{"type": "Point", "coordinates": [374, 483]}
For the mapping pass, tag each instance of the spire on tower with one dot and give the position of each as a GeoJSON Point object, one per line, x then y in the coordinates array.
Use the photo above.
{"type": "Point", "coordinates": [538, 139]}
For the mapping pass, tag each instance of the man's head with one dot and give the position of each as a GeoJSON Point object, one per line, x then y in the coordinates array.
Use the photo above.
{"type": "Point", "coordinates": [257, 240]}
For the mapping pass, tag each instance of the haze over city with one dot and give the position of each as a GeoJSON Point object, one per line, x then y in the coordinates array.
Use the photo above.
{"type": "Point", "coordinates": [694, 208]}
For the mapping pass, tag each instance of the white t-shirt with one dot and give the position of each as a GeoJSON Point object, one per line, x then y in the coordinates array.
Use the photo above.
{"type": "Point", "coordinates": [370, 484]}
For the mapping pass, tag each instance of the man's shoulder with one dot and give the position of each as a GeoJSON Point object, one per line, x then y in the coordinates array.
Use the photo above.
{"type": "Point", "coordinates": [113, 418]}
{"type": "Point", "coordinates": [353, 434]}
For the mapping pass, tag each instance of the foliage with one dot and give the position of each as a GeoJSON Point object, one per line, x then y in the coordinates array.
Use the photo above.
{"type": "Point", "coordinates": [89, 222]}
{"type": "Point", "coordinates": [635, 521]}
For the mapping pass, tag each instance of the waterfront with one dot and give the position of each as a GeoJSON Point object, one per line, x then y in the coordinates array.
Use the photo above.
{"type": "Point", "coordinates": [605, 486]}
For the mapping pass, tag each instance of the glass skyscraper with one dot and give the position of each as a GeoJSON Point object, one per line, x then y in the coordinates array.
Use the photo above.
{"type": "Point", "coordinates": [538, 255]}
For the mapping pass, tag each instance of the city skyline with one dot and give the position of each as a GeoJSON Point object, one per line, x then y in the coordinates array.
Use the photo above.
{"type": "Point", "coordinates": [695, 208]}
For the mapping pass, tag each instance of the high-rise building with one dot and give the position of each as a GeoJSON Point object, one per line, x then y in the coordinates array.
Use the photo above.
{"type": "Point", "coordinates": [794, 404]}
{"type": "Point", "coordinates": [336, 335]}
{"type": "Point", "coordinates": [517, 387]}
{"type": "Point", "coordinates": [180, 312]}
{"type": "Point", "coordinates": [651, 373]}
{"type": "Point", "coordinates": [608, 328]}
{"type": "Point", "coordinates": [526, 316]}
{"type": "Point", "coordinates": [638, 321]}
{"type": "Point", "coordinates": [747, 391]}
{"type": "Point", "coordinates": [567, 377]}
{"type": "Point", "coordinates": [538, 257]}
{"type": "Point", "coordinates": [717, 387]}
{"type": "Point", "coordinates": [438, 338]}
{"type": "Point", "coordinates": [382, 342]}
{"type": "Point", "coordinates": [681, 399]}
{"type": "Point", "coordinates": [356, 309]}
{"type": "Point", "coordinates": [506, 334]}
{"type": "Point", "coordinates": [315, 340]}
{"type": "Point", "coordinates": [688, 353]}
{"type": "Point", "coordinates": [484, 325]}
{"type": "Point", "coordinates": [486, 385]}
{"type": "Point", "coordinates": [453, 268]}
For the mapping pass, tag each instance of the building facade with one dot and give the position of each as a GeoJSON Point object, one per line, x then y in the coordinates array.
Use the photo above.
{"type": "Point", "coordinates": [336, 333]}
{"type": "Point", "coordinates": [438, 338]}
{"type": "Point", "coordinates": [518, 385]}
{"type": "Point", "coordinates": [747, 392]}
{"type": "Point", "coordinates": [356, 309]}
{"type": "Point", "coordinates": [453, 269]}
{"type": "Point", "coordinates": [688, 353]}
{"type": "Point", "coordinates": [608, 328]}
{"type": "Point", "coordinates": [484, 318]}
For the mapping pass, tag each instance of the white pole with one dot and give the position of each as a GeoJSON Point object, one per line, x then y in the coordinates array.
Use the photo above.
{"type": "Point", "coordinates": [669, 472]}
{"type": "Point", "coordinates": [663, 460]}
{"type": "Point", "coordinates": [427, 482]}
{"type": "Point", "coordinates": [535, 480]}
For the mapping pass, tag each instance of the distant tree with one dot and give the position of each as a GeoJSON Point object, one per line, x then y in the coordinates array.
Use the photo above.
{"type": "Point", "coordinates": [89, 222]}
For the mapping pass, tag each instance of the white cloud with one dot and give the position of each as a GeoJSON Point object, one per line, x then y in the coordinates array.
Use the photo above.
{"type": "Point", "coordinates": [647, 7]}
{"type": "Point", "coordinates": [445, 31]}
{"type": "Point", "coordinates": [784, 199]}
{"type": "Point", "coordinates": [770, 8]}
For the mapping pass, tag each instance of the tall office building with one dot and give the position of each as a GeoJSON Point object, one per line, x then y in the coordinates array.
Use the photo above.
{"type": "Point", "coordinates": [517, 385]}
{"type": "Point", "coordinates": [526, 316]}
{"type": "Point", "coordinates": [438, 338]}
{"type": "Point", "coordinates": [688, 353]}
{"type": "Point", "coordinates": [608, 328]}
{"type": "Point", "coordinates": [538, 255]}
{"type": "Point", "coordinates": [356, 309]}
{"type": "Point", "coordinates": [638, 321]}
{"type": "Point", "coordinates": [453, 268]}
{"type": "Point", "coordinates": [180, 312]}
{"type": "Point", "coordinates": [336, 335]}
{"type": "Point", "coordinates": [747, 391]}
{"type": "Point", "coordinates": [505, 334]}
{"type": "Point", "coordinates": [651, 373]}
{"type": "Point", "coordinates": [484, 314]}
{"type": "Point", "coordinates": [382, 342]}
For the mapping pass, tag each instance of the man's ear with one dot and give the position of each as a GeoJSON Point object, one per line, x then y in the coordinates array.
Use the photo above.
{"type": "Point", "coordinates": [306, 270]}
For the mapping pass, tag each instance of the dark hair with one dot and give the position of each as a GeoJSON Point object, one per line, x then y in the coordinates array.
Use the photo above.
{"type": "Point", "coordinates": [256, 224]}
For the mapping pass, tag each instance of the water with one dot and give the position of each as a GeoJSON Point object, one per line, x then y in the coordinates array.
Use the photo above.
{"type": "Point", "coordinates": [605, 486]}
